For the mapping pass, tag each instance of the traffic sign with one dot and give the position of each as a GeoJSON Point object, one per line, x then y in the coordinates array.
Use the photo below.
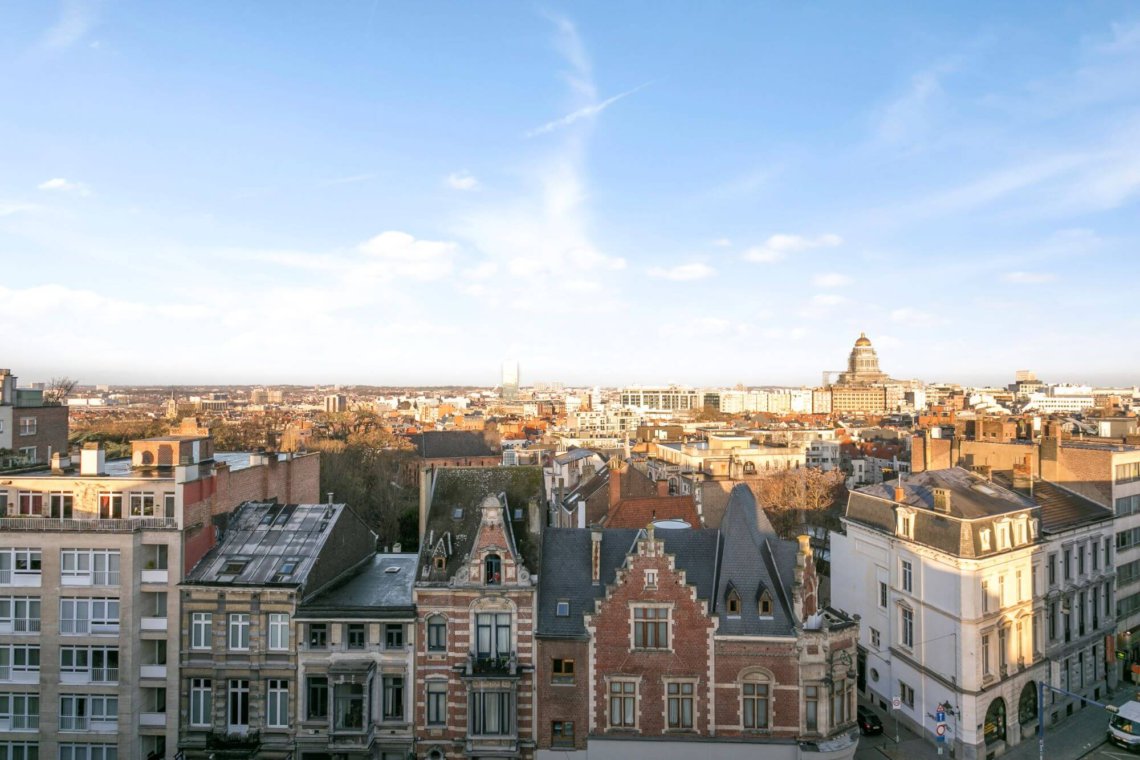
{"type": "Point", "coordinates": [896, 703]}
{"type": "Point", "coordinates": [940, 716]}
{"type": "Point", "coordinates": [940, 729]}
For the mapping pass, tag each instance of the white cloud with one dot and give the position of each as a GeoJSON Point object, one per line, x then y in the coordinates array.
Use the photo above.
{"type": "Point", "coordinates": [828, 299]}
{"type": "Point", "coordinates": [683, 272]}
{"type": "Point", "coordinates": [462, 181]}
{"type": "Point", "coordinates": [76, 19]}
{"type": "Point", "coordinates": [585, 112]}
{"type": "Point", "coordinates": [9, 209]}
{"type": "Point", "coordinates": [777, 247]}
{"type": "Point", "coordinates": [722, 243]}
{"type": "Point", "coordinates": [1029, 278]}
{"type": "Point", "coordinates": [398, 254]}
{"type": "Point", "coordinates": [830, 280]}
{"type": "Point", "coordinates": [64, 186]}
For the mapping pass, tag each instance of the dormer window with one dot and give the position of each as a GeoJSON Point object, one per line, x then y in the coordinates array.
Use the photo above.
{"type": "Point", "coordinates": [733, 602]}
{"type": "Point", "coordinates": [905, 523]}
{"type": "Point", "coordinates": [1003, 534]}
{"type": "Point", "coordinates": [1022, 531]}
{"type": "Point", "coordinates": [440, 562]}
{"type": "Point", "coordinates": [492, 570]}
{"type": "Point", "coordinates": [984, 536]}
{"type": "Point", "coordinates": [765, 606]}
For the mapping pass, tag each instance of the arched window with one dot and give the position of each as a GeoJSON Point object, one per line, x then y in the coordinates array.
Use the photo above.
{"type": "Point", "coordinates": [732, 602]}
{"type": "Point", "coordinates": [765, 604]}
{"type": "Point", "coordinates": [749, 468]}
{"type": "Point", "coordinates": [492, 570]}
{"type": "Point", "coordinates": [436, 633]}
{"type": "Point", "coordinates": [755, 702]}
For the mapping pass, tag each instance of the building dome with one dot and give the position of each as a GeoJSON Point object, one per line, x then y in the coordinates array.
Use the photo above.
{"type": "Point", "coordinates": [863, 340]}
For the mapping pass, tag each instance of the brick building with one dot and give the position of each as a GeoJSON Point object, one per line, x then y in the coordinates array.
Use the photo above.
{"type": "Point", "coordinates": [29, 431]}
{"type": "Point", "coordinates": [667, 642]}
{"type": "Point", "coordinates": [450, 448]}
{"type": "Point", "coordinates": [475, 598]}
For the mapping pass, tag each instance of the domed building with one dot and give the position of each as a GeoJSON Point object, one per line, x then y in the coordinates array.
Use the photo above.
{"type": "Point", "coordinates": [863, 365]}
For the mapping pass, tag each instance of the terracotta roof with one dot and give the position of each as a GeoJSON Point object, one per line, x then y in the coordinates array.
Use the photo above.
{"type": "Point", "coordinates": [639, 512]}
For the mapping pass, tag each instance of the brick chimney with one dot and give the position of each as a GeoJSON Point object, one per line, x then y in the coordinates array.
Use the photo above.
{"type": "Point", "coordinates": [616, 468]}
{"type": "Point", "coordinates": [805, 587]}
{"type": "Point", "coordinates": [595, 554]}
{"type": "Point", "coordinates": [662, 487]}
{"type": "Point", "coordinates": [927, 442]}
{"type": "Point", "coordinates": [900, 493]}
{"type": "Point", "coordinates": [941, 500]}
{"type": "Point", "coordinates": [1023, 476]}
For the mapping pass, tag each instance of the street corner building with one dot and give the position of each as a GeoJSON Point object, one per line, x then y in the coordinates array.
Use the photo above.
{"type": "Point", "coordinates": [670, 642]}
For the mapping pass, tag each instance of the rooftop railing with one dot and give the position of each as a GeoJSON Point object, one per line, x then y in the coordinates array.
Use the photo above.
{"type": "Point", "coordinates": [126, 525]}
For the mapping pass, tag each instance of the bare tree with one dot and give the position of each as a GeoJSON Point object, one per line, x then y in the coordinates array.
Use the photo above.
{"type": "Point", "coordinates": [58, 390]}
{"type": "Point", "coordinates": [803, 496]}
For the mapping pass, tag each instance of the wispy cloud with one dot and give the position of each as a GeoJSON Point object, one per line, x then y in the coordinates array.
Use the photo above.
{"type": "Point", "coordinates": [682, 272]}
{"type": "Point", "coordinates": [1029, 278]}
{"type": "Point", "coordinates": [76, 18]}
{"type": "Point", "coordinates": [463, 180]}
{"type": "Point", "coordinates": [59, 184]}
{"type": "Point", "coordinates": [777, 247]}
{"type": "Point", "coordinates": [586, 112]}
{"type": "Point", "coordinates": [830, 280]}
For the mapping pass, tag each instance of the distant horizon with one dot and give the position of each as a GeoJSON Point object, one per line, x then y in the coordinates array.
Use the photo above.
{"type": "Point", "coordinates": [702, 193]}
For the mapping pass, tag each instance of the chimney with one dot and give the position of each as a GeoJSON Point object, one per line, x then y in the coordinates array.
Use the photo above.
{"type": "Point", "coordinates": [926, 453]}
{"type": "Point", "coordinates": [397, 548]}
{"type": "Point", "coordinates": [941, 500]}
{"type": "Point", "coordinates": [595, 554]}
{"type": "Point", "coordinates": [662, 487]}
{"type": "Point", "coordinates": [92, 460]}
{"type": "Point", "coordinates": [804, 585]}
{"type": "Point", "coordinates": [7, 387]}
{"type": "Point", "coordinates": [900, 494]}
{"type": "Point", "coordinates": [60, 463]}
{"type": "Point", "coordinates": [1023, 476]}
{"type": "Point", "coordinates": [616, 467]}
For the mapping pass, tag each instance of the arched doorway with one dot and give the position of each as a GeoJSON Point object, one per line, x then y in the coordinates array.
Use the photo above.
{"type": "Point", "coordinates": [994, 727]}
{"type": "Point", "coordinates": [1027, 709]}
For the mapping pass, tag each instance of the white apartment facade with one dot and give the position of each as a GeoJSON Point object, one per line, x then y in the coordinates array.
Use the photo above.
{"type": "Point", "coordinates": [968, 593]}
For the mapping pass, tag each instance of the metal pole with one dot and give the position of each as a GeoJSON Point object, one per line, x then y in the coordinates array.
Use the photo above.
{"type": "Point", "coordinates": [1040, 719]}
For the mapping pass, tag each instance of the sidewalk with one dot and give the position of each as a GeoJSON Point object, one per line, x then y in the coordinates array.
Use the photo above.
{"type": "Point", "coordinates": [1071, 738]}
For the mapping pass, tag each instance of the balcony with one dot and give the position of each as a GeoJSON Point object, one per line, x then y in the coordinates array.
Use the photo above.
{"type": "Point", "coordinates": [104, 725]}
{"type": "Point", "coordinates": [104, 675]}
{"type": "Point", "coordinates": [155, 576]}
{"type": "Point", "coordinates": [90, 676]}
{"type": "Point", "coordinates": [20, 579]}
{"type": "Point", "coordinates": [152, 624]}
{"type": "Point", "coordinates": [152, 720]}
{"type": "Point", "coordinates": [11, 675]}
{"type": "Point", "coordinates": [479, 745]}
{"type": "Point", "coordinates": [483, 665]}
{"type": "Point", "coordinates": [152, 671]}
{"type": "Point", "coordinates": [73, 723]}
{"type": "Point", "coordinates": [20, 723]}
{"type": "Point", "coordinates": [236, 740]}
{"type": "Point", "coordinates": [20, 625]}
{"type": "Point", "coordinates": [126, 525]}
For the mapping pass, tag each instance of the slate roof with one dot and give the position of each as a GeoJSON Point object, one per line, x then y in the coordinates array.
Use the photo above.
{"type": "Point", "coordinates": [267, 543]}
{"type": "Point", "coordinates": [972, 495]}
{"type": "Point", "coordinates": [754, 560]}
{"type": "Point", "coordinates": [440, 444]}
{"type": "Point", "coordinates": [382, 588]}
{"type": "Point", "coordinates": [1061, 509]}
{"type": "Point", "coordinates": [573, 455]}
{"type": "Point", "coordinates": [565, 576]}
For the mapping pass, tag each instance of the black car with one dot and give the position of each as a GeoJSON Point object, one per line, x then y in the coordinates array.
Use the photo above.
{"type": "Point", "coordinates": [869, 723]}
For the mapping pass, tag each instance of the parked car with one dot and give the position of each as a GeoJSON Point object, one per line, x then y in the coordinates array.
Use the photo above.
{"type": "Point", "coordinates": [869, 723]}
{"type": "Point", "coordinates": [1124, 726]}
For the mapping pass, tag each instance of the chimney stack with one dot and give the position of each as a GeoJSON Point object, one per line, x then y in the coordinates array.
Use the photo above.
{"type": "Point", "coordinates": [595, 554]}
{"type": "Point", "coordinates": [616, 467]}
{"type": "Point", "coordinates": [941, 500]}
{"type": "Point", "coordinates": [900, 494]}
{"type": "Point", "coordinates": [92, 460]}
{"type": "Point", "coordinates": [926, 454]}
{"type": "Point", "coordinates": [805, 584]}
{"type": "Point", "coordinates": [1023, 476]}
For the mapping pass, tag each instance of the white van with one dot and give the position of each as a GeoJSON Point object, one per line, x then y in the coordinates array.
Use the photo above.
{"type": "Point", "coordinates": [1124, 726]}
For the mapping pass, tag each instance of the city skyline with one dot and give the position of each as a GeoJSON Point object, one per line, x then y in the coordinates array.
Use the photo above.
{"type": "Point", "coordinates": [388, 195]}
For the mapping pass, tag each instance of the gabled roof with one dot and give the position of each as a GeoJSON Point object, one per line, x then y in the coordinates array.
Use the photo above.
{"type": "Point", "coordinates": [754, 560]}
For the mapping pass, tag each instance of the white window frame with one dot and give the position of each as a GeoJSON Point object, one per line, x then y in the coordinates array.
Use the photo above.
{"type": "Point", "coordinates": [20, 711]}
{"type": "Point", "coordinates": [237, 638]}
{"type": "Point", "coordinates": [201, 625]}
{"type": "Point", "coordinates": [906, 575]}
{"type": "Point", "coordinates": [21, 623]}
{"type": "Point", "coordinates": [277, 703]}
{"type": "Point", "coordinates": [16, 563]}
{"type": "Point", "coordinates": [80, 751]}
{"type": "Point", "coordinates": [237, 690]}
{"type": "Point", "coordinates": [143, 504]}
{"type": "Point", "coordinates": [278, 626]}
{"type": "Point", "coordinates": [906, 631]}
{"type": "Point", "coordinates": [8, 660]}
{"type": "Point", "coordinates": [29, 425]}
{"type": "Point", "coordinates": [201, 702]}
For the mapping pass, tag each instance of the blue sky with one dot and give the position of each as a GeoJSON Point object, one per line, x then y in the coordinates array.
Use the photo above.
{"type": "Point", "coordinates": [704, 193]}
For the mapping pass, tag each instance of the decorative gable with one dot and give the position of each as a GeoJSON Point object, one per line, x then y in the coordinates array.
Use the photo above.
{"type": "Point", "coordinates": [493, 559]}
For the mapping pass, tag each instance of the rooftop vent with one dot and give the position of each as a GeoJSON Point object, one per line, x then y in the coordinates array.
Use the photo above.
{"type": "Point", "coordinates": [941, 499]}
{"type": "Point", "coordinates": [391, 569]}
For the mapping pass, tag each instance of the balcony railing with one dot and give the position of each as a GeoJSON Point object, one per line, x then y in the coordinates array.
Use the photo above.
{"type": "Point", "coordinates": [104, 675]}
{"type": "Point", "coordinates": [25, 625]}
{"type": "Point", "coordinates": [25, 723]}
{"type": "Point", "coordinates": [235, 739]}
{"type": "Point", "coordinates": [491, 665]}
{"type": "Point", "coordinates": [73, 723]}
{"type": "Point", "coordinates": [125, 525]}
{"type": "Point", "coordinates": [7, 673]}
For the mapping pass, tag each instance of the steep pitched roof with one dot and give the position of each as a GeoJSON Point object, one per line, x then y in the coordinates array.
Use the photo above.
{"type": "Point", "coordinates": [639, 512]}
{"type": "Point", "coordinates": [439, 444]}
{"type": "Point", "coordinates": [754, 560]}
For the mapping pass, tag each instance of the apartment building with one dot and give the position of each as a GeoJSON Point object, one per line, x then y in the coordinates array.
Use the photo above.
{"type": "Point", "coordinates": [678, 643]}
{"type": "Point", "coordinates": [970, 592]}
{"type": "Point", "coordinates": [90, 561]}
{"type": "Point", "coordinates": [355, 658]}
{"type": "Point", "coordinates": [238, 686]}
{"type": "Point", "coordinates": [29, 431]}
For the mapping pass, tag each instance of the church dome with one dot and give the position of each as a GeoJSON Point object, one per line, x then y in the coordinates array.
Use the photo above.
{"type": "Point", "coordinates": [863, 340]}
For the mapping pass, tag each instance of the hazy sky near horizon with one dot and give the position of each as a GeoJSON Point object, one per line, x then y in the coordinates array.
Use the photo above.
{"type": "Point", "coordinates": [636, 192]}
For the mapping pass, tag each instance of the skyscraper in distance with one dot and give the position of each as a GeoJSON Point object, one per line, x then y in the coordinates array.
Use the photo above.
{"type": "Point", "coordinates": [510, 380]}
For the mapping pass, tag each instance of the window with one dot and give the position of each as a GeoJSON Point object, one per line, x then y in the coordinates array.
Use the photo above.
{"type": "Point", "coordinates": [651, 579]}
{"type": "Point", "coordinates": [1107, 553]}
{"type": "Point", "coordinates": [393, 691]}
{"type": "Point", "coordinates": [394, 635]}
{"type": "Point", "coordinates": [278, 632]}
{"type": "Point", "coordinates": [733, 603]}
{"type": "Point", "coordinates": [237, 708]}
{"type": "Point", "coordinates": [1001, 591]}
{"type": "Point", "coordinates": [1052, 621]}
{"type": "Point", "coordinates": [318, 636]}
{"type": "Point", "coordinates": [168, 505]}
{"type": "Point", "coordinates": [88, 752]}
{"type": "Point", "coordinates": [765, 604]}
{"type": "Point", "coordinates": [492, 570]}
{"type": "Point", "coordinates": [110, 506]}
{"type": "Point", "coordinates": [811, 708]}
{"type": "Point", "coordinates": [907, 576]}
{"type": "Point", "coordinates": [85, 712]}
{"type": "Point", "coordinates": [562, 671]}
{"type": "Point", "coordinates": [20, 711]}
{"type": "Point", "coordinates": [651, 627]}
{"type": "Point", "coordinates": [1017, 586]}
{"type": "Point", "coordinates": [1053, 569]}
{"type": "Point", "coordinates": [985, 596]}
{"type": "Point", "coordinates": [29, 503]}
{"type": "Point", "coordinates": [492, 634]}
{"type": "Point", "coordinates": [562, 609]}
{"type": "Point", "coordinates": [17, 660]}
{"type": "Point", "coordinates": [1094, 555]}
{"type": "Point", "coordinates": [348, 701]}
{"type": "Point", "coordinates": [317, 698]}
{"type": "Point", "coordinates": [984, 535]}
{"type": "Point", "coordinates": [840, 703]}
{"type": "Point", "coordinates": [95, 567]}
{"type": "Point", "coordinates": [18, 565]}
{"type": "Point", "coordinates": [21, 750]}
{"type": "Point", "coordinates": [201, 701]}
{"type": "Point", "coordinates": [1066, 563]}
{"type": "Point", "coordinates": [61, 505]}
{"type": "Point", "coordinates": [986, 654]}
{"type": "Point", "coordinates": [907, 628]}
{"type": "Point", "coordinates": [436, 634]}
{"type": "Point", "coordinates": [883, 594]}
{"type": "Point", "coordinates": [142, 505]}
{"type": "Point", "coordinates": [99, 664]}
{"type": "Point", "coordinates": [680, 704]}
{"type": "Point", "coordinates": [1080, 561]}
{"type": "Point", "coordinates": [29, 454]}
{"type": "Point", "coordinates": [436, 703]}
{"type": "Point", "coordinates": [277, 715]}
{"type": "Point", "coordinates": [239, 631]}
{"type": "Point", "coordinates": [623, 704]}
{"type": "Point", "coordinates": [754, 702]}
{"type": "Point", "coordinates": [562, 733]}
{"type": "Point", "coordinates": [28, 425]}
{"type": "Point", "coordinates": [20, 614]}
{"type": "Point", "coordinates": [1003, 634]}
{"type": "Point", "coordinates": [355, 635]}
{"type": "Point", "coordinates": [490, 712]}
{"type": "Point", "coordinates": [875, 638]}
{"type": "Point", "coordinates": [1125, 473]}
{"type": "Point", "coordinates": [200, 636]}
{"type": "Point", "coordinates": [906, 694]}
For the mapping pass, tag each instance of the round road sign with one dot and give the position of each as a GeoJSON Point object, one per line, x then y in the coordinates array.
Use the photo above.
{"type": "Point", "coordinates": [940, 729]}
{"type": "Point", "coordinates": [896, 703]}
